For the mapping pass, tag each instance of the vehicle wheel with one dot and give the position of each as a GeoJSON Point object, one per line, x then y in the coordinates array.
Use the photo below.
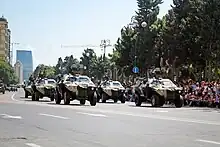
{"type": "Point", "coordinates": [57, 97]}
{"type": "Point", "coordinates": [93, 99]}
{"type": "Point", "coordinates": [122, 99]}
{"type": "Point", "coordinates": [33, 97]}
{"type": "Point", "coordinates": [26, 94]}
{"type": "Point", "coordinates": [82, 102]}
{"type": "Point", "coordinates": [66, 99]}
{"type": "Point", "coordinates": [3, 92]}
{"type": "Point", "coordinates": [98, 97]}
{"type": "Point", "coordinates": [155, 101]}
{"type": "Point", "coordinates": [162, 101]}
{"type": "Point", "coordinates": [103, 98]}
{"type": "Point", "coordinates": [138, 100]}
{"type": "Point", "coordinates": [115, 99]}
{"type": "Point", "coordinates": [37, 96]}
{"type": "Point", "coordinates": [179, 102]}
{"type": "Point", "coordinates": [52, 99]}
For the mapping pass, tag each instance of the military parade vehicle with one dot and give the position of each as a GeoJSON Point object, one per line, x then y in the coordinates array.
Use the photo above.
{"type": "Point", "coordinates": [2, 87]}
{"type": "Point", "coordinates": [111, 90]}
{"type": "Point", "coordinates": [76, 87]}
{"type": "Point", "coordinates": [157, 92]}
{"type": "Point", "coordinates": [44, 88]}
{"type": "Point", "coordinates": [28, 90]}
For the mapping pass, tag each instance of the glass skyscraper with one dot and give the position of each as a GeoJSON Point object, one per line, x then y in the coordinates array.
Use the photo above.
{"type": "Point", "coordinates": [25, 57]}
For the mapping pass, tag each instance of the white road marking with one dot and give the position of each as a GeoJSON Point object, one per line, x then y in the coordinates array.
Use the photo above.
{"type": "Point", "coordinates": [155, 117]}
{"type": "Point", "coordinates": [10, 116]}
{"type": "Point", "coordinates": [32, 145]}
{"type": "Point", "coordinates": [208, 141]}
{"type": "Point", "coordinates": [55, 116]}
{"type": "Point", "coordinates": [162, 111]}
{"type": "Point", "coordinates": [13, 98]}
{"type": "Point", "coordinates": [91, 114]}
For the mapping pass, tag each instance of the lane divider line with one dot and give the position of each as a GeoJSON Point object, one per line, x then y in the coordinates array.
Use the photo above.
{"type": "Point", "coordinates": [13, 97]}
{"type": "Point", "coordinates": [32, 145]}
{"type": "Point", "coordinates": [92, 114]}
{"type": "Point", "coordinates": [208, 141]}
{"type": "Point", "coordinates": [55, 116]}
{"type": "Point", "coordinates": [10, 116]}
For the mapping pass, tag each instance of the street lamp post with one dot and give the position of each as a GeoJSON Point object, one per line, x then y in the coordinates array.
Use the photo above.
{"type": "Point", "coordinates": [134, 23]}
{"type": "Point", "coordinates": [105, 43]}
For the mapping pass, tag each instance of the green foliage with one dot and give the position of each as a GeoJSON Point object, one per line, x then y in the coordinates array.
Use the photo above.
{"type": "Point", "coordinates": [7, 73]}
{"type": "Point", "coordinates": [44, 71]}
{"type": "Point", "coordinates": [187, 36]}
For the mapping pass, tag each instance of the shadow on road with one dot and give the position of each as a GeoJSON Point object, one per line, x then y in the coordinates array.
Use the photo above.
{"type": "Point", "coordinates": [86, 105]}
{"type": "Point", "coordinates": [29, 100]}
{"type": "Point", "coordinates": [147, 106]}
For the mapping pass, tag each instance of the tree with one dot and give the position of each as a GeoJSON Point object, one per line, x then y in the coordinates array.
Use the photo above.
{"type": "Point", "coordinates": [87, 59]}
{"type": "Point", "coordinates": [44, 71]}
{"type": "Point", "coordinates": [147, 12]}
{"type": "Point", "coordinates": [7, 73]}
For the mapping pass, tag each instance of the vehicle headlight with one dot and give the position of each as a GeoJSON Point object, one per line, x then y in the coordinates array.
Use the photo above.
{"type": "Point", "coordinates": [92, 88]}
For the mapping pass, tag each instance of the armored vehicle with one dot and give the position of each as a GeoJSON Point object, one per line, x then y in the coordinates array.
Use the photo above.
{"type": "Point", "coordinates": [157, 92]}
{"type": "Point", "coordinates": [44, 88]}
{"type": "Point", "coordinates": [77, 87]}
{"type": "Point", "coordinates": [111, 90]}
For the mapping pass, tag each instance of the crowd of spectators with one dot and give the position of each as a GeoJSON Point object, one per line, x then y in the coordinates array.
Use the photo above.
{"type": "Point", "coordinates": [201, 94]}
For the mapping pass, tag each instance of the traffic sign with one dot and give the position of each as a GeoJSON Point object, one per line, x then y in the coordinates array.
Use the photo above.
{"type": "Point", "coordinates": [135, 69]}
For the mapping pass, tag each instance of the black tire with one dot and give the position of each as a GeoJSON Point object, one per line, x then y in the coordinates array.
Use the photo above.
{"type": "Point", "coordinates": [123, 99]}
{"type": "Point", "coordinates": [3, 92]}
{"type": "Point", "coordinates": [103, 98]}
{"type": "Point", "coordinates": [179, 102]}
{"type": "Point", "coordinates": [138, 100]}
{"type": "Point", "coordinates": [66, 98]}
{"type": "Point", "coordinates": [57, 97]}
{"type": "Point", "coordinates": [93, 99]}
{"type": "Point", "coordinates": [33, 97]}
{"type": "Point", "coordinates": [82, 102]}
{"type": "Point", "coordinates": [52, 99]}
{"type": "Point", "coordinates": [26, 94]}
{"type": "Point", "coordinates": [162, 101]}
{"type": "Point", "coordinates": [155, 101]}
{"type": "Point", "coordinates": [115, 99]}
{"type": "Point", "coordinates": [37, 96]}
{"type": "Point", "coordinates": [98, 97]}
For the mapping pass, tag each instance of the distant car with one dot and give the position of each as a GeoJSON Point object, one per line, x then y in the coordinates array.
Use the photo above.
{"type": "Point", "coordinates": [111, 90]}
{"type": "Point", "coordinates": [157, 92]}
{"type": "Point", "coordinates": [13, 88]}
{"type": "Point", "coordinates": [44, 88]}
{"type": "Point", "coordinates": [76, 88]}
{"type": "Point", "coordinates": [2, 88]}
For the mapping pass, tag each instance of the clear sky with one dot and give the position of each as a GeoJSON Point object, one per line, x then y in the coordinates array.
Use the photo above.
{"type": "Point", "coordinates": [44, 25]}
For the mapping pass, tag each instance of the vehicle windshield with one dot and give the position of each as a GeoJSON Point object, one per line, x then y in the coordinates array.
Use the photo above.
{"type": "Point", "coordinates": [156, 82]}
{"type": "Point", "coordinates": [168, 83]}
{"type": "Point", "coordinates": [51, 82]}
{"type": "Point", "coordinates": [71, 79]}
{"type": "Point", "coordinates": [116, 84]}
{"type": "Point", "coordinates": [84, 79]}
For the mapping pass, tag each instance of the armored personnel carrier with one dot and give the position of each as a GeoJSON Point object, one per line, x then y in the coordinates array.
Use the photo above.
{"type": "Point", "coordinates": [76, 87]}
{"type": "Point", "coordinates": [157, 92]}
{"type": "Point", "coordinates": [44, 88]}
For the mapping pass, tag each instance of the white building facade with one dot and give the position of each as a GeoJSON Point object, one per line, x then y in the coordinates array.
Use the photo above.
{"type": "Point", "coordinates": [19, 71]}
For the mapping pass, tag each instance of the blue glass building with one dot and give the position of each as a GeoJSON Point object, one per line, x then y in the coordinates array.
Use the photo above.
{"type": "Point", "coordinates": [25, 57]}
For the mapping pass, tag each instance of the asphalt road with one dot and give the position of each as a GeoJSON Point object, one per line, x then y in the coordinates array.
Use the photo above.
{"type": "Point", "coordinates": [44, 124]}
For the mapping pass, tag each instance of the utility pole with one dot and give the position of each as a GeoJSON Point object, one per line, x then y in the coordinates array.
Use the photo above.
{"type": "Point", "coordinates": [105, 43]}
